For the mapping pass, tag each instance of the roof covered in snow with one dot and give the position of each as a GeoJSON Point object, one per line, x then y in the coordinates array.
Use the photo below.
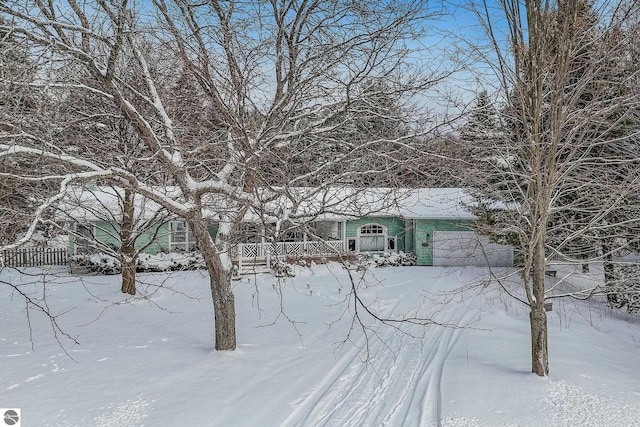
{"type": "Point", "coordinates": [437, 203]}
{"type": "Point", "coordinates": [102, 204]}
{"type": "Point", "coordinates": [334, 203]}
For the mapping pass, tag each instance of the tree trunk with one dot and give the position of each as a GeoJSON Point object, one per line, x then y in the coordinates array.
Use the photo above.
{"type": "Point", "coordinates": [128, 278]}
{"type": "Point", "coordinates": [127, 245]}
{"type": "Point", "coordinates": [538, 315]}
{"type": "Point", "coordinates": [609, 275]}
{"type": "Point", "coordinates": [539, 352]}
{"type": "Point", "coordinates": [224, 311]}
{"type": "Point", "coordinates": [220, 282]}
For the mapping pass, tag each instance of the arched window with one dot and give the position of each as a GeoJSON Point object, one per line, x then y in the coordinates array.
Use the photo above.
{"type": "Point", "coordinates": [372, 238]}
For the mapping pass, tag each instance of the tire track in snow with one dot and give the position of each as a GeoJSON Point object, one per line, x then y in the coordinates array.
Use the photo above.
{"type": "Point", "coordinates": [401, 388]}
{"type": "Point", "coordinates": [318, 407]}
{"type": "Point", "coordinates": [328, 393]}
{"type": "Point", "coordinates": [421, 403]}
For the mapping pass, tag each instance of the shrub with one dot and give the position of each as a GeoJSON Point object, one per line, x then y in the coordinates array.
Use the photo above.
{"type": "Point", "coordinates": [101, 263]}
{"type": "Point", "coordinates": [281, 268]}
{"type": "Point", "coordinates": [624, 289]}
{"type": "Point", "coordinates": [395, 259]}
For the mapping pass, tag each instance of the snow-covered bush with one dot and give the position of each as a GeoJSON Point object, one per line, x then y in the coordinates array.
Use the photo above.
{"type": "Point", "coordinates": [281, 268]}
{"type": "Point", "coordinates": [171, 262]}
{"type": "Point", "coordinates": [98, 263]}
{"type": "Point", "coordinates": [624, 289]}
{"type": "Point", "coordinates": [395, 259]}
{"type": "Point", "coordinates": [101, 263]}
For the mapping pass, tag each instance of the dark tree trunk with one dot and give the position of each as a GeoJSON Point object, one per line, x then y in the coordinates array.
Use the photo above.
{"type": "Point", "coordinates": [609, 275]}
{"type": "Point", "coordinates": [127, 245]}
{"type": "Point", "coordinates": [224, 311]}
{"type": "Point", "coordinates": [538, 315]}
{"type": "Point", "coordinates": [220, 283]}
{"type": "Point", "coordinates": [128, 278]}
{"type": "Point", "coordinates": [539, 352]}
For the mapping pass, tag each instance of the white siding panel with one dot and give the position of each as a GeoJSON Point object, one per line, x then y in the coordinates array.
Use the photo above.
{"type": "Point", "coordinates": [462, 248]}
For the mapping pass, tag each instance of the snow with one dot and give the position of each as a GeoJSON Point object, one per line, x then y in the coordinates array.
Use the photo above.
{"type": "Point", "coordinates": [331, 203]}
{"type": "Point", "coordinates": [149, 360]}
{"type": "Point", "coordinates": [100, 203]}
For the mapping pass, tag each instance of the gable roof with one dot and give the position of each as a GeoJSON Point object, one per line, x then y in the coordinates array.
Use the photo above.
{"type": "Point", "coordinates": [334, 203]}
{"type": "Point", "coordinates": [437, 203]}
{"type": "Point", "coordinates": [416, 203]}
{"type": "Point", "coordinates": [102, 203]}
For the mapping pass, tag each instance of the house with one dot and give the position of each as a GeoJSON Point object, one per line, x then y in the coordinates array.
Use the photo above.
{"type": "Point", "coordinates": [431, 222]}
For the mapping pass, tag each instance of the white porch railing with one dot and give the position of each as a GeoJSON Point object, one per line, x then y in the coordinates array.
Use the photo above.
{"type": "Point", "coordinates": [269, 251]}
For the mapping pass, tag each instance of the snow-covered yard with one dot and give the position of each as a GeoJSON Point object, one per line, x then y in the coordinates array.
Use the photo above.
{"type": "Point", "coordinates": [150, 360]}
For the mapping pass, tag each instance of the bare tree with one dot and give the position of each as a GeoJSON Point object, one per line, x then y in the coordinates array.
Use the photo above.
{"type": "Point", "coordinates": [273, 78]}
{"type": "Point", "coordinates": [114, 221]}
{"type": "Point", "coordinates": [559, 174]}
{"type": "Point", "coordinates": [18, 107]}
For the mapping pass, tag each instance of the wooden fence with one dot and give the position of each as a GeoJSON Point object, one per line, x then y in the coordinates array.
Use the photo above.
{"type": "Point", "coordinates": [35, 257]}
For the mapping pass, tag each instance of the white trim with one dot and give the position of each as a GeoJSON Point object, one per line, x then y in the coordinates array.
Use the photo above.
{"type": "Point", "coordinates": [344, 233]}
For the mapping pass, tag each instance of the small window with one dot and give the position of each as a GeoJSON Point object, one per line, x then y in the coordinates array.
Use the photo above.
{"type": "Point", "coordinates": [372, 229]}
{"type": "Point", "coordinates": [181, 237]}
{"type": "Point", "coordinates": [391, 244]}
{"type": "Point", "coordinates": [352, 245]}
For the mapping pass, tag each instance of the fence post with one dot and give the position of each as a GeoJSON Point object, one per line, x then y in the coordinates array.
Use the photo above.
{"type": "Point", "coordinates": [268, 256]}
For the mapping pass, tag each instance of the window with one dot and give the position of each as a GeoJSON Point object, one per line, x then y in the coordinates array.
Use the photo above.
{"type": "Point", "coordinates": [85, 235]}
{"type": "Point", "coordinates": [180, 237]}
{"type": "Point", "coordinates": [293, 236]}
{"type": "Point", "coordinates": [327, 230]}
{"type": "Point", "coordinates": [373, 238]}
{"type": "Point", "coordinates": [391, 244]}
{"type": "Point", "coordinates": [248, 232]}
{"type": "Point", "coordinates": [372, 229]}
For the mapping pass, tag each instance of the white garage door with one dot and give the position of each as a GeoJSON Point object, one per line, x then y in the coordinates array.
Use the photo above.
{"type": "Point", "coordinates": [460, 248]}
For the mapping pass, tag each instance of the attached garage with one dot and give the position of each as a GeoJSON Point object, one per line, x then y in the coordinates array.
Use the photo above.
{"type": "Point", "coordinates": [435, 224]}
{"type": "Point", "coordinates": [461, 248]}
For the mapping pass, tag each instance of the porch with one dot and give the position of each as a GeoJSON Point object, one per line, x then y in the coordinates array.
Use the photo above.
{"type": "Point", "coordinates": [251, 254]}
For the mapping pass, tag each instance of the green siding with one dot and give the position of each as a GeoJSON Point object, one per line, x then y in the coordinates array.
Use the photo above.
{"type": "Point", "coordinates": [108, 234]}
{"type": "Point", "coordinates": [212, 229]}
{"type": "Point", "coordinates": [423, 235]}
{"type": "Point", "coordinates": [161, 242]}
{"type": "Point", "coordinates": [417, 238]}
